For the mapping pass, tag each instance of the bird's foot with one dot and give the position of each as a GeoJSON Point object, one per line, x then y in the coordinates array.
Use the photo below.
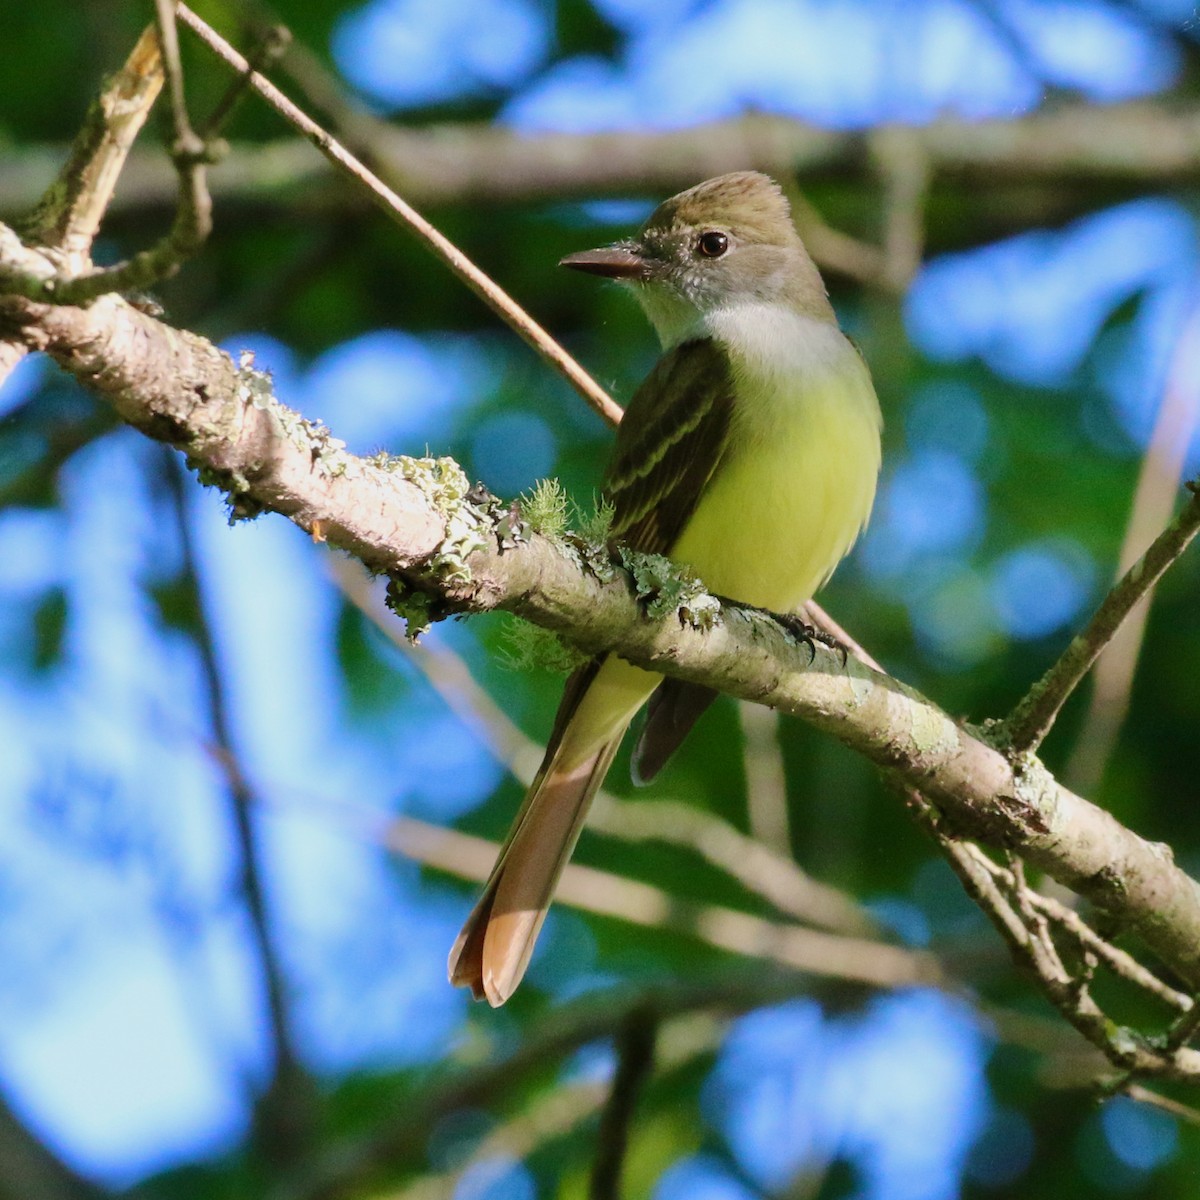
{"type": "Point", "coordinates": [810, 635]}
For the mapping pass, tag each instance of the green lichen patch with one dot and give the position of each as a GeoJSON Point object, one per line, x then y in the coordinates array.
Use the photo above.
{"type": "Point", "coordinates": [664, 587]}
{"type": "Point", "coordinates": [595, 524]}
{"type": "Point", "coordinates": [418, 610]}
{"type": "Point", "coordinates": [240, 504]}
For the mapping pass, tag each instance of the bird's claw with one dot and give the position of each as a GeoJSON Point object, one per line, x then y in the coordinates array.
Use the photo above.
{"type": "Point", "coordinates": [810, 635]}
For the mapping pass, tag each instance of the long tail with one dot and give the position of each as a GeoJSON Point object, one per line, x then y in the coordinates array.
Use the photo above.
{"type": "Point", "coordinates": [495, 945]}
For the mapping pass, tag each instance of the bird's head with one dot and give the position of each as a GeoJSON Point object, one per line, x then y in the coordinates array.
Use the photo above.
{"type": "Point", "coordinates": [725, 242]}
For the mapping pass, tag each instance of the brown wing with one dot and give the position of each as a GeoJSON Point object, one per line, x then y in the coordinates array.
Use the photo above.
{"type": "Point", "coordinates": [669, 445]}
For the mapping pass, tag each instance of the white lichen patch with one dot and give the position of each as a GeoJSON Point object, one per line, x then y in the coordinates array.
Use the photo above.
{"type": "Point", "coordinates": [254, 386]}
{"type": "Point", "coordinates": [1035, 788]}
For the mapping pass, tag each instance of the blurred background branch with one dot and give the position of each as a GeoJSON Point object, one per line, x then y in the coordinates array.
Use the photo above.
{"type": "Point", "coordinates": [285, 1106]}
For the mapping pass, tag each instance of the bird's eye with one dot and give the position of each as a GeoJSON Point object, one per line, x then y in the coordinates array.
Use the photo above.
{"type": "Point", "coordinates": [713, 244]}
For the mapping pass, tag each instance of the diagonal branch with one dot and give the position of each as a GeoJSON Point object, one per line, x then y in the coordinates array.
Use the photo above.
{"type": "Point", "coordinates": [455, 550]}
{"type": "Point", "coordinates": [813, 951]}
{"type": "Point", "coordinates": [67, 216]}
{"type": "Point", "coordinates": [1032, 718]}
{"type": "Point", "coordinates": [193, 211]}
{"type": "Point", "coordinates": [480, 283]}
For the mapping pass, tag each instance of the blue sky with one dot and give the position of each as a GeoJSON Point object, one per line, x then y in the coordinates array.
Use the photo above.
{"type": "Point", "coordinates": [131, 1019]}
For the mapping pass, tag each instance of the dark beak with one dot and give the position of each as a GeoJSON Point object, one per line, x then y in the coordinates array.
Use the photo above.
{"type": "Point", "coordinates": [613, 262]}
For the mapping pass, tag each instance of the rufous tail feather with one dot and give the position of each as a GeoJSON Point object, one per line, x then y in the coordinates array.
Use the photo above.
{"type": "Point", "coordinates": [495, 945]}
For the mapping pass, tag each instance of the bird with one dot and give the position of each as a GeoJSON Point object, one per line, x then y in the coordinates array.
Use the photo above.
{"type": "Point", "coordinates": [750, 455]}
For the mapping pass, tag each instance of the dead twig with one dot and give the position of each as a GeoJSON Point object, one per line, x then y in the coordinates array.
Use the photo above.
{"type": "Point", "coordinates": [193, 210]}
{"type": "Point", "coordinates": [68, 215]}
{"type": "Point", "coordinates": [480, 283]}
{"type": "Point", "coordinates": [1024, 919]}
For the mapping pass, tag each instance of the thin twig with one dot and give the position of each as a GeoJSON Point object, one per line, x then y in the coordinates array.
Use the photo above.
{"type": "Point", "coordinates": [68, 215]}
{"type": "Point", "coordinates": [273, 43]}
{"type": "Point", "coordinates": [774, 877]}
{"type": "Point", "coordinates": [1119, 961]}
{"type": "Point", "coordinates": [1027, 933]}
{"type": "Point", "coordinates": [481, 284]}
{"type": "Point", "coordinates": [288, 1093]}
{"type": "Point", "coordinates": [193, 210]}
{"type": "Point", "coordinates": [1033, 717]}
{"type": "Point", "coordinates": [1154, 497]}
{"type": "Point", "coordinates": [635, 1047]}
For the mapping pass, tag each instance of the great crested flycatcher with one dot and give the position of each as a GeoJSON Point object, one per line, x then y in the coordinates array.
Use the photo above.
{"type": "Point", "coordinates": [750, 454]}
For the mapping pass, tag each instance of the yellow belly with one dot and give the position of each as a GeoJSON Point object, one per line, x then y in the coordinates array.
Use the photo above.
{"type": "Point", "coordinates": [791, 499]}
{"type": "Point", "coordinates": [787, 504]}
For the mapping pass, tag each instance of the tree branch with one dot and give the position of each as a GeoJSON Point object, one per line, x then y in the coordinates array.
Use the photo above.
{"type": "Point", "coordinates": [1052, 159]}
{"type": "Point", "coordinates": [67, 215]}
{"type": "Point", "coordinates": [813, 951]}
{"type": "Point", "coordinates": [458, 550]}
{"type": "Point", "coordinates": [193, 211]}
